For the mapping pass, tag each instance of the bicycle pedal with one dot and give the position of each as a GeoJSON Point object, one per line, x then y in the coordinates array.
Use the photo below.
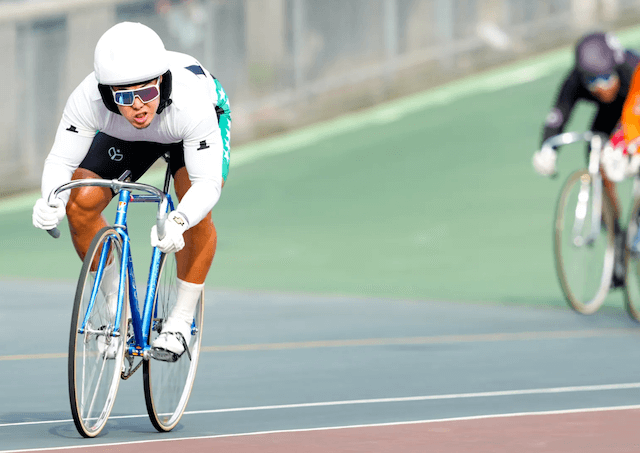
{"type": "Point", "coordinates": [163, 355]}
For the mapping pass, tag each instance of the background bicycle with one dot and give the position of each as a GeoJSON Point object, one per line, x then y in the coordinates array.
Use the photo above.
{"type": "Point", "coordinates": [585, 248]}
{"type": "Point", "coordinates": [111, 333]}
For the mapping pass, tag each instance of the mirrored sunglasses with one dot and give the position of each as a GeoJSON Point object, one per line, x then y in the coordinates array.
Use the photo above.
{"type": "Point", "coordinates": [127, 97]}
{"type": "Point", "coordinates": [602, 81]}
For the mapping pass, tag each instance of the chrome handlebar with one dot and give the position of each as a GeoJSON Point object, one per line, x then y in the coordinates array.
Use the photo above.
{"type": "Point", "coordinates": [596, 139]}
{"type": "Point", "coordinates": [567, 138]}
{"type": "Point", "coordinates": [117, 185]}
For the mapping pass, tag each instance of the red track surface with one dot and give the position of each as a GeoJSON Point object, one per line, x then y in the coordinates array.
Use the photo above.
{"type": "Point", "coordinates": [586, 432]}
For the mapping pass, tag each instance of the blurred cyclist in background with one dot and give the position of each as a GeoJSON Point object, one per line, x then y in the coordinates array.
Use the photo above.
{"type": "Point", "coordinates": [621, 158]}
{"type": "Point", "coordinates": [601, 75]}
{"type": "Point", "coordinates": [140, 103]}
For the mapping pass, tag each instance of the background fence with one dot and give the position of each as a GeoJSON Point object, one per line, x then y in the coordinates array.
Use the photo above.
{"type": "Point", "coordinates": [283, 63]}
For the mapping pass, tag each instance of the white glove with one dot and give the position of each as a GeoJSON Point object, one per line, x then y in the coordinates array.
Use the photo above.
{"type": "Point", "coordinates": [634, 165]}
{"type": "Point", "coordinates": [615, 162]}
{"type": "Point", "coordinates": [544, 161]}
{"type": "Point", "coordinates": [47, 217]}
{"type": "Point", "coordinates": [175, 225]}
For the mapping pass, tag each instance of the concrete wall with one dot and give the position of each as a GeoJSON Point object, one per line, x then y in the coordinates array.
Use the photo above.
{"type": "Point", "coordinates": [283, 63]}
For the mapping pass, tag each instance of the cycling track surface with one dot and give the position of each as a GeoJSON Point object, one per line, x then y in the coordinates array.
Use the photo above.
{"type": "Point", "coordinates": [393, 205]}
{"type": "Point", "coordinates": [299, 372]}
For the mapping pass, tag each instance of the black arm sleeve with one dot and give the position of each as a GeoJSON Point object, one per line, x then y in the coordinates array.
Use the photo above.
{"type": "Point", "coordinates": [631, 60]}
{"type": "Point", "coordinates": [557, 118]}
{"type": "Point", "coordinates": [626, 71]}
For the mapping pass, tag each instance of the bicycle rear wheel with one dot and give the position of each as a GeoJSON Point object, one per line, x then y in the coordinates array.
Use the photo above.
{"type": "Point", "coordinates": [584, 255]}
{"type": "Point", "coordinates": [632, 259]}
{"type": "Point", "coordinates": [167, 385]}
{"type": "Point", "coordinates": [96, 348]}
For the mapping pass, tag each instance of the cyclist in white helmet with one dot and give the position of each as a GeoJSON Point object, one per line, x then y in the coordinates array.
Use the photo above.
{"type": "Point", "coordinates": [140, 103]}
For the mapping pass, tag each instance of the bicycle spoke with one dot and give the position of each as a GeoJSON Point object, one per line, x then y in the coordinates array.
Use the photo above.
{"type": "Point", "coordinates": [632, 277]}
{"type": "Point", "coordinates": [95, 361]}
{"type": "Point", "coordinates": [168, 384]}
{"type": "Point", "coordinates": [584, 263]}
{"type": "Point", "coordinates": [97, 387]}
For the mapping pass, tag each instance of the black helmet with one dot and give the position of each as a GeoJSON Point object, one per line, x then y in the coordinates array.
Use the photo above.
{"type": "Point", "coordinates": [598, 54]}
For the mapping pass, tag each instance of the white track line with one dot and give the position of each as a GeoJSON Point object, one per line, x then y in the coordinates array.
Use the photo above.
{"type": "Point", "coordinates": [407, 399]}
{"type": "Point", "coordinates": [329, 428]}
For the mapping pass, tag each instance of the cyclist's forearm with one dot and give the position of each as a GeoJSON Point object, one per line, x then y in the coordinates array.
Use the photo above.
{"type": "Point", "coordinates": [199, 200]}
{"type": "Point", "coordinates": [554, 123]}
{"type": "Point", "coordinates": [550, 132]}
{"type": "Point", "coordinates": [562, 108]}
{"type": "Point", "coordinates": [53, 175]}
{"type": "Point", "coordinates": [203, 157]}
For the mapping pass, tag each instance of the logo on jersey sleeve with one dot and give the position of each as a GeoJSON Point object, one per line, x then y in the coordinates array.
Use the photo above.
{"type": "Point", "coordinates": [614, 44]}
{"type": "Point", "coordinates": [203, 145]}
{"type": "Point", "coordinates": [554, 118]}
{"type": "Point", "coordinates": [72, 128]}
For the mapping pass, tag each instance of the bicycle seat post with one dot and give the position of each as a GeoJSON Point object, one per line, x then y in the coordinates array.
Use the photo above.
{"type": "Point", "coordinates": [126, 176]}
{"type": "Point", "coordinates": [167, 175]}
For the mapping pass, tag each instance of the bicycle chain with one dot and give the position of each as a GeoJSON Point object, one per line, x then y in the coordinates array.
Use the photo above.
{"type": "Point", "coordinates": [124, 376]}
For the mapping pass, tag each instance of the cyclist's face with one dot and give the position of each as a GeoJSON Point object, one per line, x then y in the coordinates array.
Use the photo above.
{"type": "Point", "coordinates": [608, 94]}
{"type": "Point", "coordinates": [139, 114]}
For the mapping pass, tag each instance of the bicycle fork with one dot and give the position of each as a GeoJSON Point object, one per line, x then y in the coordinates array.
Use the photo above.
{"type": "Point", "coordinates": [590, 191]}
{"type": "Point", "coordinates": [634, 246]}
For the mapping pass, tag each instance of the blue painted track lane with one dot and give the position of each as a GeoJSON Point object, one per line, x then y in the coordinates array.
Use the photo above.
{"type": "Point", "coordinates": [269, 358]}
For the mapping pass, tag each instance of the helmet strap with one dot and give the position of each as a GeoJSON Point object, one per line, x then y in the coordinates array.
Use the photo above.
{"type": "Point", "coordinates": [165, 91]}
{"type": "Point", "coordinates": [107, 98]}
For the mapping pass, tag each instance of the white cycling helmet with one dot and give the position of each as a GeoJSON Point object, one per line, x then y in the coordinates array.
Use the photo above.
{"type": "Point", "coordinates": [129, 53]}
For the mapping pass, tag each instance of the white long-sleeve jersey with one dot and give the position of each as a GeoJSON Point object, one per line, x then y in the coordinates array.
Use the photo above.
{"type": "Point", "coordinates": [191, 118]}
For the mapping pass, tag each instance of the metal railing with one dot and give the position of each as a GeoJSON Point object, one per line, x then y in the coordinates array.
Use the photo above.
{"type": "Point", "coordinates": [281, 62]}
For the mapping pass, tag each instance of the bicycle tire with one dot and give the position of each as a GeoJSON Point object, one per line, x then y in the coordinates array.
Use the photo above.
{"type": "Point", "coordinates": [167, 385]}
{"type": "Point", "coordinates": [584, 271]}
{"type": "Point", "coordinates": [632, 265]}
{"type": "Point", "coordinates": [94, 369]}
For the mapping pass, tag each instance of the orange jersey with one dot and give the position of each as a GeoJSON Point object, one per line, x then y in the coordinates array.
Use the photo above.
{"type": "Point", "coordinates": [631, 111]}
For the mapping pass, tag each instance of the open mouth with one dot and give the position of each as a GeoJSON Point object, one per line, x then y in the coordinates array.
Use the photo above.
{"type": "Point", "coordinates": [140, 118]}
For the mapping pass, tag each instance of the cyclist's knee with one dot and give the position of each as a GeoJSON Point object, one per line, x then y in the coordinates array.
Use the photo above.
{"type": "Point", "coordinates": [87, 203]}
{"type": "Point", "coordinates": [204, 228]}
{"type": "Point", "coordinates": [202, 233]}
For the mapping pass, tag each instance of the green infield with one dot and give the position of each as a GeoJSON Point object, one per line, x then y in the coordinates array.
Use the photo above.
{"type": "Point", "coordinates": [428, 197]}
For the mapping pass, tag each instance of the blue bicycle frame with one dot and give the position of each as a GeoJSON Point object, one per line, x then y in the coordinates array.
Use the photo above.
{"type": "Point", "coordinates": [141, 335]}
{"type": "Point", "coordinates": [140, 344]}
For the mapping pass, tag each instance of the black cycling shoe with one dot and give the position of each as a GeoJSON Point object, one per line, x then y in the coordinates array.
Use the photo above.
{"type": "Point", "coordinates": [617, 282]}
{"type": "Point", "coordinates": [619, 269]}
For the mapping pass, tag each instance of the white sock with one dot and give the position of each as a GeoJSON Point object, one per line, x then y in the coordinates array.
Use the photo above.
{"type": "Point", "coordinates": [181, 316]}
{"type": "Point", "coordinates": [109, 286]}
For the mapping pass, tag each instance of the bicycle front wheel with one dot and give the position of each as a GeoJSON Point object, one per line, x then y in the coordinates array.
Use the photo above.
{"type": "Point", "coordinates": [96, 343]}
{"type": "Point", "coordinates": [632, 259]}
{"type": "Point", "coordinates": [167, 385]}
{"type": "Point", "coordinates": [584, 251]}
